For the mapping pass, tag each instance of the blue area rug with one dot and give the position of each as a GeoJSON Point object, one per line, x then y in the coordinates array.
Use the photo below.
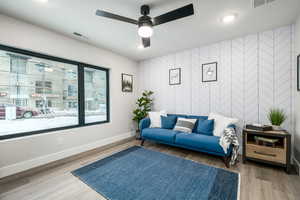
{"type": "Point", "coordinates": [141, 174]}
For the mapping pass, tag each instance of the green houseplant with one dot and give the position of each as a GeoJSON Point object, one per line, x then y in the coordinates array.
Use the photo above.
{"type": "Point", "coordinates": [144, 104]}
{"type": "Point", "coordinates": [276, 117]}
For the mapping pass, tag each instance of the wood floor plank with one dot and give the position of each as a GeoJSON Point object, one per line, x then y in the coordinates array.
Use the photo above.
{"type": "Point", "coordinates": [258, 182]}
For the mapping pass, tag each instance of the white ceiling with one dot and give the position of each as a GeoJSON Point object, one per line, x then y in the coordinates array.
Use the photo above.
{"type": "Point", "coordinates": [68, 16]}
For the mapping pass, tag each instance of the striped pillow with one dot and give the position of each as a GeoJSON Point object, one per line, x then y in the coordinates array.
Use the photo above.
{"type": "Point", "coordinates": [185, 125]}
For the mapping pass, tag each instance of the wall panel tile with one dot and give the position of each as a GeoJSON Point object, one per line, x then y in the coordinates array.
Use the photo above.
{"type": "Point", "coordinates": [251, 79]}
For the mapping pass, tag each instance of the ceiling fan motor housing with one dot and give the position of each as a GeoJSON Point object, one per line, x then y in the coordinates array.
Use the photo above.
{"type": "Point", "coordinates": [145, 21]}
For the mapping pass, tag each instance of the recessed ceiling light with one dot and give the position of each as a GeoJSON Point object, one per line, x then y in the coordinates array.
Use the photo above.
{"type": "Point", "coordinates": [228, 18]}
{"type": "Point", "coordinates": [42, 1]}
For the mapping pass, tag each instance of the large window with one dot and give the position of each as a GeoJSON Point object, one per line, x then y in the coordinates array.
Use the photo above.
{"type": "Point", "coordinates": [41, 93]}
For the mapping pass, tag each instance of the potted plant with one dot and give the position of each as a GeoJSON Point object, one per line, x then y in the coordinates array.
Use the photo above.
{"type": "Point", "coordinates": [144, 104]}
{"type": "Point", "coordinates": [276, 117]}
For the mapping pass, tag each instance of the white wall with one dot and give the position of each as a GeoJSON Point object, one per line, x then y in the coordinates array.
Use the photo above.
{"type": "Point", "coordinates": [255, 72]}
{"type": "Point", "coordinates": [22, 153]}
{"type": "Point", "coordinates": [297, 132]}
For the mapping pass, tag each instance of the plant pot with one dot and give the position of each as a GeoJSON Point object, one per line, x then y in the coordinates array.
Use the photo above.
{"type": "Point", "coordinates": [138, 134]}
{"type": "Point", "coordinates": [276, 128]}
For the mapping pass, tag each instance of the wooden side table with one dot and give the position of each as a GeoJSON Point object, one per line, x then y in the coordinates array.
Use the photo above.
{"type": "Point", "coordinates": [278, 155]}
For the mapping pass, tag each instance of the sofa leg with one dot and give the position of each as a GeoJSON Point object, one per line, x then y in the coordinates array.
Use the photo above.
{"type": "Point", "coordinates": [142, 143]}
{"type": "Point", "coordinates": [226, 160]}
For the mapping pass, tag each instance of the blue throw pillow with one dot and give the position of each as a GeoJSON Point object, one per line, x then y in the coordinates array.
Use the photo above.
{"type": "Point", "coordinates": [168, 122]}
{"type": "Point", "coordinates": [198, 118]}
{"type": "Point", "coordinates": [205, 127]}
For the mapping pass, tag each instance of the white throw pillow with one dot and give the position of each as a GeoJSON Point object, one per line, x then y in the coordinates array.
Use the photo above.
{"type": "Point", "coordinates": [221, 122]}
{"type": "Point", "coordinates": [155, 118]}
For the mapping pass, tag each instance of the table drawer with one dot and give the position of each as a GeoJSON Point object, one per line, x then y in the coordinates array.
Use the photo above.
{"type": "Point", "coordinates": [266, 153]}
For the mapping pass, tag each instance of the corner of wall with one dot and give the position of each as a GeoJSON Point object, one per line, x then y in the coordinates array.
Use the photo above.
{"type": "Point", "coordinates": [297, 100]}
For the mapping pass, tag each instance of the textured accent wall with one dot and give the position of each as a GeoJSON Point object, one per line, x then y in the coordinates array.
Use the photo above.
{"type": "Point", "coordinates": [255, 72]}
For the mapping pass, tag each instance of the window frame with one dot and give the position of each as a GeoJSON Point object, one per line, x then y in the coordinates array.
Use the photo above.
{"type": "Point", "coordinates": [81, 101]}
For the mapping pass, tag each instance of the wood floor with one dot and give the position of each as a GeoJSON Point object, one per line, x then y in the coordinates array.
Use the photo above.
{"type": "Point", "coordinates": [258, 182]}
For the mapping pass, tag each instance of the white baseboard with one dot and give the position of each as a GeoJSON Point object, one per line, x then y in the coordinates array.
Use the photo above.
{"type": "Point", "coordinates": [36, 162]}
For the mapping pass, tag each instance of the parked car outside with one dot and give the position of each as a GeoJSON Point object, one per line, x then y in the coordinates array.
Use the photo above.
{"type": "Point", "coordinates": [20, 112]}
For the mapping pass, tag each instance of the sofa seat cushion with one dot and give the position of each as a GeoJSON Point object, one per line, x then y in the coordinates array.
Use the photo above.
{"type": "Point", "coordinates": [199, 141]}
{"type": "Point", "coordinates": [164, 135]}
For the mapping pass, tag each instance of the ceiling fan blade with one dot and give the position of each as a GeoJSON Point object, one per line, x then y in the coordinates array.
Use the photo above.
{"type": "Point", "coordinates": [114, 16]}
{"type": "Point", "coordinates": [146, 42]}
{"type": "Point", "coordinates": [174, 15]}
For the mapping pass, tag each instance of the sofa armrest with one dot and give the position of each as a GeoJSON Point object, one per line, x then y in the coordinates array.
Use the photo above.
{"type": "Point", "coordinates": [144, 123]}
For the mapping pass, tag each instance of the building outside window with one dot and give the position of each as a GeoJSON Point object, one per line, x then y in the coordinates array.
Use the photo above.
{"type": "Point", "coordinates": [43, 87]}
{"type": "Point", "coordinates": [18, 63]}
{"type": "Point", "coordinates": [72, 104]}
{"type": "Point", "coordinates": [20, 102]}
{"type": "Point", "coordinates": [72, 90]}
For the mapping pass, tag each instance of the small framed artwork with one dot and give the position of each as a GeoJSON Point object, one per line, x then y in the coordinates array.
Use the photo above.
{"type": "Point", "coordinates": [175, 76]}
{"type": "Point", "coordinates": [298, 73]}
{"type": "Point", "coordinates": [210, 72]}
{"type": "Point", "coordinates": [127, 83]}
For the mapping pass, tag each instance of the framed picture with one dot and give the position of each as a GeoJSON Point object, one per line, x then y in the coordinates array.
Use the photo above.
{"type": "Point", "coordinates": [210, 72]}
{"type": "Point", "coordinates": [298, 73]}
{"type": "Point", "coordinates": [175, 76]}
{"type": "Point", "coordinates": [127, 83]}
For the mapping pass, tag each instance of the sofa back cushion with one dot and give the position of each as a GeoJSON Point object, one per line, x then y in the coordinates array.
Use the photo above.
{"type": "Point", "coordinates": [205, 127]}
{"type": "Point", "coordinates": [185, 125]}
{"type": "Point", "coordinates": [168, 122]}
{"type": "Point", "coordinates": [178, 115]}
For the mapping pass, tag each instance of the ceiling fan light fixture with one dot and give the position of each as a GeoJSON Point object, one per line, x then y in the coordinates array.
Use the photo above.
{"type": "Point", "coordinates": [145, 31]}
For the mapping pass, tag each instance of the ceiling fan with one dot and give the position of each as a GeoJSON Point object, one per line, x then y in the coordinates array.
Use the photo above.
{"type": "Point", "coordinates": [146, 23]}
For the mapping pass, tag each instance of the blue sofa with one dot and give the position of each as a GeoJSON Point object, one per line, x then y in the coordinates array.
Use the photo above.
{"type": "Point", "coordinates": [193, 141]}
